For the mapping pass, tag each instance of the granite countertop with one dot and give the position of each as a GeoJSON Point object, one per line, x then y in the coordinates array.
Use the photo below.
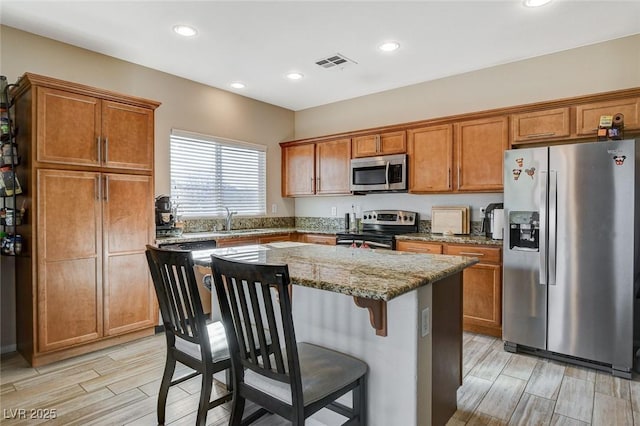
{"type": "Point", "coordinates": [371, 274]}
{"type": "Point", "coordinates": [454, 239]}
{"type": "Point", "coordinates": [244, 233]}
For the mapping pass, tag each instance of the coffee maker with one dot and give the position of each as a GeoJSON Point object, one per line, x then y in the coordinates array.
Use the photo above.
{"type": "Point", "coordinates": [165, 217]}
{"type": "Point", "coordinates": [493, 221]}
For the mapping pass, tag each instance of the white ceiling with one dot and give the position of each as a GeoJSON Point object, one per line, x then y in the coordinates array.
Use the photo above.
{"type": "Point", "coordinates": [259, 42]}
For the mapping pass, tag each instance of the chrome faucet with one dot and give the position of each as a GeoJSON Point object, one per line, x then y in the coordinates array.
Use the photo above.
{"type": "Point", "coordinates": [229, 217]}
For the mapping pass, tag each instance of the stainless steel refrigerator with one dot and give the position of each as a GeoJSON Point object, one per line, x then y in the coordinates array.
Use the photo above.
{"type": "Point", "coordinates": [572, 252]}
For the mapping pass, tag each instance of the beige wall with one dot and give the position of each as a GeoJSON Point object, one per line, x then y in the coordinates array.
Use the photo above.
{"type": "Point", "coordinates": [591, 69]}
{"type": "Point", "coordinates": [185, 105]}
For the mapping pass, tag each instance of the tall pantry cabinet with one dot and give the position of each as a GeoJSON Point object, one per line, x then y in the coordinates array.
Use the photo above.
{"type": "Point", "coordinates": [82, 281]}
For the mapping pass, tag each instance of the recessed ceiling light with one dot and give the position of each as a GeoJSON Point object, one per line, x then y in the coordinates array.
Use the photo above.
{"type": "Point", "coordinates": [185, 30]}
{"type": "Point", "coordinates": [238, 85]}
{"type": "Point", "coordinates": [535, 3]}
{"type": "Point", "coordinates": [389, 46]}
{"type": "Point", "coordinates": [295, 76]}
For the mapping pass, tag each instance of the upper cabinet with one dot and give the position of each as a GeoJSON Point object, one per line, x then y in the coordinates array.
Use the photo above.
{"type": "Point", "coordinates": [541, 125]}
{"type": "Point", "coordinates": [380, 144]}
{"type": "Point", "coordinates": [588, 115]}
{"type": "Point", "coordinates": [316, 169]}
{"type": "Point", "coordinates": [430, 151]}
{"type": "Point", "coordinates": [81, 130]}
{"type": "Point", "coordinates": [479, 147]}
{"type": "Point", "coordinates": [461, 153]}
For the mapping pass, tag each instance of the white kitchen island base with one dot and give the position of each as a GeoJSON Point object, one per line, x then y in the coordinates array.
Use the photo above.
{"type": "Point", "coordinates": [412, 378]}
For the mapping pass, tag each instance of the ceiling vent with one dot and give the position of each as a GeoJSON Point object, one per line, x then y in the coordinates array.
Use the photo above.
{"type": "Point", "coordinates": [337, 60]}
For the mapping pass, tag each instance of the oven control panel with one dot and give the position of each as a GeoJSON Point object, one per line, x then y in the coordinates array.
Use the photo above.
{"type": "Point", "coordinates": [389, 217]}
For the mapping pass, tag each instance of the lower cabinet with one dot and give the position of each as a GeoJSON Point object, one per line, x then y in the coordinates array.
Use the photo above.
{"type": "Point", "coordinates": [482, 283]}
{"type": "Point", "coordinates": [329, 240]}
{"type": "Point", "coordinates": [91, 280]}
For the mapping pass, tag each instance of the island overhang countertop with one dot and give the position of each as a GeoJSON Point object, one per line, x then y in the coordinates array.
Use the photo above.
{"type": "Point", "coordinates": [361, 273]}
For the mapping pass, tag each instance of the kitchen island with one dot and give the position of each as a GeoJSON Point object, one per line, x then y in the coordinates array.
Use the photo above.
{"type": "Point", "coordinates": [414, 303]}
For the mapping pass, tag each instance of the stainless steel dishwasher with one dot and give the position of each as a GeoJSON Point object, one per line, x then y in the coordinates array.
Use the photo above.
{"type": "Point", "coordinates": [206, 296]}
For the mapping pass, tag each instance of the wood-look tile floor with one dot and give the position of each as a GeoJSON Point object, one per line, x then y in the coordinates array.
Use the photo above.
{"type": "Point", "coordinates": [119, 386]}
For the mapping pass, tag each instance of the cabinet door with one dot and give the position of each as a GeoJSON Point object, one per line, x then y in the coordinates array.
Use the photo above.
{"type": "Point", "coordinates": [482, 298]}
{"type": "Point", "coordinates": [333, 160]}
{"type": "Point", "coordinates": [365, 146]}
{"type": "Point", "coordinates": [419, 247]}
{"type": "Point", "coordinates": [393, 143]}
{"type": "Point", "coordinates": [479, 151]}
{"type": "Point", "coordinates": [274, 238]}
{"type": "Point", "coordinates": [298, 176]}
{"type": "Point", "coordinates": [381, 144]}
{"type": "Point", "coordinates": [430, 159]}
{"type": "Point", "coordinates": [129, 296]}
{"type": "Point", "coordinates": [69, 247]}
{"type": "Point", "coordinates": [588, 115]}
{"type": "Point", "coordinates": [127, 136]}
{"type": "Point", "coordinates": [67, 127]}
{"type": "Point", "coordinates": [540, 125]}
{"type": "Point", "coordinates": [233, 242]}
{"type": "Point", "coordinates": [328, 240]}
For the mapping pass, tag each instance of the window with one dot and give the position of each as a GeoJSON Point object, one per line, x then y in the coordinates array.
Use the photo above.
{"type": "Point", "coordinates": [210, 173]}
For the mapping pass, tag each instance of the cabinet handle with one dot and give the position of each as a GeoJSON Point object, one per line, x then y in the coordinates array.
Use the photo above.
{"type": "Point", "coordinates": [541, 135]}
{"type": "Point", "coordinates": [318, 184]}
{"type": "Point", "coordinates": [106, 150]}
{"type": "Point", "coordinates": [449, 178]}
{"type": "Point", "coordinates": [312, 188]}
{"type": "Point", "coordinates": [106, 189]}
{"type": "Point", "coordinates": [458, 177]}
{"type": "Point", "coordinates": [99, 149]}
{"type": "Point", "coordinates": [96, 188]}
{"type": "Point", "coordinates": [470, 253]}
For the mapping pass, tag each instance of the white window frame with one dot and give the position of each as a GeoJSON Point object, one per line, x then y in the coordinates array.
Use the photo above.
{"type": "Point", "coordinates": [197, 188]}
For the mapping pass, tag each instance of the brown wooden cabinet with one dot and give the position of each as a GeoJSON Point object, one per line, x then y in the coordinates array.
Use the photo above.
{"type": "Point", "coordinates": [419, 247]}
{"type": "Point", "coordinates": [550, 124]}
{"type": "Point", "coordinates": [83, 281]}
{"type": "Point", "coordinates": [333, 161]}
{"type": "Point", "coordinates": [482, 289]}
{"type": "Point", "coordinates": [325, 239]}
{"type": "Point", "coordinates": [79, 130]}
{"type": "Point", "coordinates": [482, 283]}
{"type": "Point", "coordinates": [588, 115]}
{"type": "Point", "coordinates": [479, 147]}
{"type": "Point", "coordinates": [380, 144]}
{"type": "Point", "coordinates": [316, 169]}
{"type": "Point", "coordinates": [430, 152]}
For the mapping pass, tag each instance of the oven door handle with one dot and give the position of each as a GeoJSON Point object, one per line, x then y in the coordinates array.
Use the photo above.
{"type": "Point", "coordinates": [386, 175]}
{"type": "Point", "coordinates": [380, 245]}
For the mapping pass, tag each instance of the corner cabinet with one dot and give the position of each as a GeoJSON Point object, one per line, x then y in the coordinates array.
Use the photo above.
{"type": "Point", "coordinates": [83, 283]}
{"type": "Point", "coordinates": [316, 169]}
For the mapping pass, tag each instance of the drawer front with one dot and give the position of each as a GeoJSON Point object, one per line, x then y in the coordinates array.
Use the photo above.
{"type": "Point", "coordinates": [329, 240]}
{"type": "Point", "coordinates": [419, 247]}
{"type": "Point", "coordinates": [483, 253]}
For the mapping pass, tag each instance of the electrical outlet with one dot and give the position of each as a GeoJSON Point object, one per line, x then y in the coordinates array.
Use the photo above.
{"type": "Point", "coordinates": [274, 208]}
{"type": "Point", "coordinates": [334, 211]}
{"type": "Point", "coordinates": [425, 322]}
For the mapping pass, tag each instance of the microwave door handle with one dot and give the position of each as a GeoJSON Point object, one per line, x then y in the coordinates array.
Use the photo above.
{"type": "Point", "coordinates": [386, 175]}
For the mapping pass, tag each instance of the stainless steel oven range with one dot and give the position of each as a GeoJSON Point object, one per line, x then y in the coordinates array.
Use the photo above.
{"type": "Point", "coordinates": [379, 228]}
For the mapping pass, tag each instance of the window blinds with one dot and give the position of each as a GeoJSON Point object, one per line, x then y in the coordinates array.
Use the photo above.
{"type": "Point", "coordinates": [210, 173]}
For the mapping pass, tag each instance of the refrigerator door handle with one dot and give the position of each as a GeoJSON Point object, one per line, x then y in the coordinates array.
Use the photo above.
{"type": "Point", "coordinates": [553, 193]}
{"type": "Point", "coordinates": [543, 227]}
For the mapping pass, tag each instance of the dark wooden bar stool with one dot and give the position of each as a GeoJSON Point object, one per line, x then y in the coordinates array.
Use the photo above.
{"type": "Point", "coordinates": [293, 380]}
{"type": "Point", "coordinates": [190, 340]}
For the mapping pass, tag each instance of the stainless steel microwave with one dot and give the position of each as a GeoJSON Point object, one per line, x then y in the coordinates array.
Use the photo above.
{"type": "Point", "coordinates": [379, 174]}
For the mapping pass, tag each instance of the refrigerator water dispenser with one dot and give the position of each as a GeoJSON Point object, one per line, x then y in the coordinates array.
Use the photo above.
{"type": "Point", "coordinates": [524, 231]}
